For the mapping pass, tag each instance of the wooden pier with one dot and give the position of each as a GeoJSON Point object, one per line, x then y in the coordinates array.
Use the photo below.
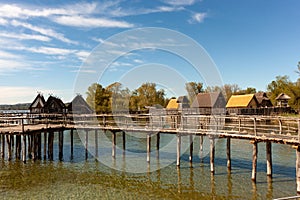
{"type": "Point", "coordinates": [25, 133]}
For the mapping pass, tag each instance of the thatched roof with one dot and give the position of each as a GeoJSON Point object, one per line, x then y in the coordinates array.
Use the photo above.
{"type": "Point", "coordinates": [209, 100]}
{"type": "Point", "coordinates": [240, 101]}
{"type": "Point", "coordinates": [283, 96]}
{"type": "Point", "coordinates": [38, 102]}
{"type": "Point", "coordinates": [79, 105]}
{"type": "Point", "coordinates": [54, 105]}
{"type": "Point", "coordinates": [172, 104]}
{"type": "Point", "coordinates": [263, 99]}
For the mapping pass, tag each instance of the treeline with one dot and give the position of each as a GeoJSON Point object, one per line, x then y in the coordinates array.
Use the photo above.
{"type": "Point", "coordinates": [115, 98]}
{"type": "Point", "coordinates": [20, 106]}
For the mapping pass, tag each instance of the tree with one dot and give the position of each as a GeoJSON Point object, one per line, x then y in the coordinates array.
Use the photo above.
{"type": "Point", "coordinates": [193, 88]}
{"type": "Point", "coordinates": [147, 95]}
{"type": "Point", "coordinates": [298, 70]}
{"type": "Point", "coordinates": [98, 98]}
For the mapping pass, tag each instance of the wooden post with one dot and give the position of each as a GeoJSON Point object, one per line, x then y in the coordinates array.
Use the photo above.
{"type": "Point", "coordinates": [3, 146]}
{"type": "Point", "coordinates": [60, 145]}
{"type": "Point", "coordinates": [298, 169]}
{"type": "Point", "coordinates": [254, 161]}
{"type": "Point", "coordinates": [298, 130]}
{"type": "Point", "coordinates": [280, 125]}
{"type": "Point", "coordinates": [269, 158]}
{"type": "Point", "coordinates": [33, 146]}
{"type": "Point", "coordinates": [50, 145]}
{"type": "Point", "coordinates": [18, 147]}
{"type": "Point", "coordinates": [113, 152]}
{"type": "Point", "coordinates": [8, 140]}
{"type": "Point", "coordinates": [212, 155]}
{"type": "Point", "coordinates": [201, 143]}
{"type": "Point", "coordinates": [148, 147]}
{"type": "Point", "coordinates": [239, 125]}
{"type": "Point", "coordinates": [228, 152]}
{"type": "Point", "coordinates": [86, 143]}
{"type": "Point", "coordinates": [29, 145]}
{"type": "Point", "coordinates": [254, 126]}
{"type": "Point", "coordinates": [45, 145]}
{"type": "Point", "coordinates": [24, 149]}
{"type": "Point", "coordinates": [71, 135]}
{"type": "Point", "coordinates": [124, 140]}
{"type": "Point", "coordinates": [96, 143]}
{"type": "Point", "coordinates": [157, 140]}
{"type": "Point", "coordinates": [178, 148]}
{"type": "Point", "coordinates": [191, 148]}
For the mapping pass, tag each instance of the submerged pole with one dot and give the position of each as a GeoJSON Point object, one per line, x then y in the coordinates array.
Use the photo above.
{"type": "Point", "coordinates": [191, 148]}
{"type": "Point", "coordinates": [178, 148]}
{"type": "Point", "coordinates": [269, 158]}
{"type": "Point", "coordinates": [212, 154]}
{"type": "Point", "coordinates": [148, 147]}
{"type": "Point", "coordinates": [254, 161]}
{"type": "Point", "coordinates": [228, 152]}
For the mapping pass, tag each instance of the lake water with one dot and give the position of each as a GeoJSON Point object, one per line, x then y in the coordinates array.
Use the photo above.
{"type": "Point", "coordinates": [78, 178]}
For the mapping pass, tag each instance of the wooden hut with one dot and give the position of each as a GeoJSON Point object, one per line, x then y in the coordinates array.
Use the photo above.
{"type": "Point", "coordinates": [37, 106]}
{"type": "Point", "coordinates": [263, 100]}
{"type": "Point", "coordinates": [209, 103]}
{"type": "Point", "coordinates": [79, 106]}
{"type": "Point", "coordinates": [282, 100]}
{"type": "Point", "coordinates": [54, 105]}
{"type": "Point", "coordinates": [242, 104]}
{"type": "Point", "coordinates": [183, 102]}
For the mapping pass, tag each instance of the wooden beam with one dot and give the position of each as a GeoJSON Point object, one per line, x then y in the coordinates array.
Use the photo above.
{"type": "Point", "coordinates": [148, 147]}
{"type": "Point", "coordinates": [298, 169]}
{"type": "Point", "coordinates": [157, 140]}
{"type": "Point", "coordinates": [24, 149]}
{"type": "Point", "coordinates": [86, 143]}
{"type": "Point", "coordinates": [96, 144]}
{"type": "Point", "coordinates": [269, 158]}
{"type": "Point", "coordinates": [212, 155]}
{"type": "Point", "coordinates": [113, 152]}
{"type": "Point", "coordinates": [254, 161]}
{"type": "Point", "coordinates": [45, 145]}
{"type": "Point", "coordinates": [72, 142]}
{"type": "Point", "coordinates": [178, 149]}
{"type": "Point", "coordinates": [124, 140]}
{"type": "Point", "coordinates": [191, 148]}
{"type": "Point", "coordinates": [228, 153]}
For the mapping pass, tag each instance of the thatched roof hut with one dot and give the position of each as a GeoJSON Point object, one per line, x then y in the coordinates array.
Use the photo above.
{"type": "Point", "coordinates": [54, 105]}
{"type": "Point", "coordinates": [208, 103]}
{"type": "Point", "coordinates": [37, 106]}
{"type": "Point", "coordinates": [79, 106]}
{"type": "Point", "coordinates": [263, 100]}
{"type": "Point", "coordinates": [282, 100]}
{"type": "Point", "coordinates": [242, 101]}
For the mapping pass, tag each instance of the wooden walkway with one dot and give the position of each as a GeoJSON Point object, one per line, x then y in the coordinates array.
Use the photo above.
{"type": "Point", "coordinates": [253, 128]}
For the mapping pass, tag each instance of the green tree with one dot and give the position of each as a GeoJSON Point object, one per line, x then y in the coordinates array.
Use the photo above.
{"type": "Point", "coordinates": [98, 98]}
{"type": "Point", "coordinates": [193, 88]}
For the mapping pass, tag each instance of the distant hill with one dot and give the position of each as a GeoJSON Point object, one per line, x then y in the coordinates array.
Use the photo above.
{"type": "Point", "coordinates": [19, 106]}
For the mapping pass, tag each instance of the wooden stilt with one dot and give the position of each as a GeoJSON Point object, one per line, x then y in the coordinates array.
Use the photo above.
{"type": "Point", "coordinates": [113, 152]}
{"type": "Point", "coordinates": [269, 158]}
{"type": "Point", "coordinates": [124, 140]}
{"type": "Point", "coordinates": [50, 145]}
{"type": "Point", "coordinates": [60, 144]}
{"type": "Point", "coordinates": [3, 146]}
{"type": "Point", "coordinates": [228, 152]}
{"type": "Point", "coordinates": [178, 148]}
{"type": "Point", "coordinates": [201, 142]}
{"type": "Point", "coordinates": [96, 144]}
{"type": "Point", "coordinates": [71, 135]}
{"type": "Point", "coordinates": [157, 141]}
{"type": "Point", "coordinates": [254, 161]}
{"type": "Point", "coordinates": [191, 148]}
{"type": "Point", "coordinates": [86, 143]}
{"type": "Point", "coordinates": [8, 140]}
{"type": "Point", "coordinates": [212, 155]}
{"type": "Point", "coordinates": [33, 146]}
{"type": "Point", "coordinates": [45, 145]}
{"type": "Point", "coordinates": [29, 146]}
{"type": "Point", "coordinates": [148, 147]}
{"type": "Point", "coordinates": [18, 147]}
{"type": "Point", "coordinates": [298, 169]}
{"type": "Point", "coordinates": [24, 149]}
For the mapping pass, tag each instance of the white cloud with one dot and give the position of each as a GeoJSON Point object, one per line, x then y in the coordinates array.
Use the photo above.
{"type": "Point", "coordinates": [80, 21]}
{"type": "Point", "coordinates": [3, 21]}
{"type": "Point", "coordinates": [198, 17]}
{"type": "Point", "coordinates": [50, 50]}
{"type": "Point", "coordinates": [180, 2]}
{"type": "Point", "coordinates": [82, 55]}
{"type": "Point", "coordinates": [7, 65]}
{"type": "Point", "coordinates": [6, 55]}
{"type": "Point", "coordinates": [43, 31]}
{"type": "Point", "coordinates": [23, 36]}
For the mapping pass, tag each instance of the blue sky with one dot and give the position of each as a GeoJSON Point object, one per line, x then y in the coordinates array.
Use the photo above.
{"type": "Point", "coordinates": [43, 45]}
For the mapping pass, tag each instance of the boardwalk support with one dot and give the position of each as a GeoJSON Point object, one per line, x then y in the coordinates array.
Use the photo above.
{"type": "Point", "coordinates": [254, 161]}
{"type": "Point", "coordinates": [298, 169]}
{"type": "Point", "coordinates": [148, 147]}
{"type": "Point", "coordinates": [178, 149]}
{"type": "Point", "coordinates": [191, 148]}
{"type": "Point", "coordinates": [113, 139]}
{"type": "Point", "coordinates": [212, 155]}
{"type": "Point", "coordinates": [269, 158]}
{"type": "Point", "coordinates": [228, 153]}
{"type": "Point", "coordinates": [24, 149]}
